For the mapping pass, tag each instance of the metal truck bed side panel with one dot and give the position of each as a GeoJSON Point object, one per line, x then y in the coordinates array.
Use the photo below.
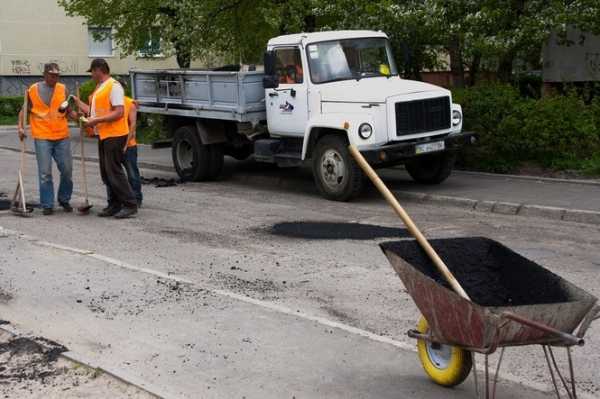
{"type": "Point", "coordinates": [216, 95]}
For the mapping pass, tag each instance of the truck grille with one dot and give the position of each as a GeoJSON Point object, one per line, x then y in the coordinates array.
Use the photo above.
{"type": "Point", "coordinates": [420, 116]}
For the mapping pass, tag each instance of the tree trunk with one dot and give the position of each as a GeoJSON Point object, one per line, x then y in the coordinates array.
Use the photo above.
{"type": "Point", "coordinates": [505, 67]}
{"type": "Point", "coordinates": [183, 55]}
{"type": "Point", "coordinates": [456, 63]}
{"type": "Point", "coordinates": [310, 23]}
{"type": "Point", "coordinates": [474, 69]}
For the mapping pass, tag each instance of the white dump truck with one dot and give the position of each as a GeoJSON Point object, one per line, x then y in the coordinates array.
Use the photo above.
{"type": "Point", "coordinates": [318, 93]}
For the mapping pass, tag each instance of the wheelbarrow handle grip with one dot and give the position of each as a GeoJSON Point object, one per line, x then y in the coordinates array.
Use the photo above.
{"type": "Point", "coordinates": [568, 338]}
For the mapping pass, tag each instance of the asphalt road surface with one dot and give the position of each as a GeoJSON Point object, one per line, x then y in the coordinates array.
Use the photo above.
{"type": "Point", "coordinates": [197, 297]}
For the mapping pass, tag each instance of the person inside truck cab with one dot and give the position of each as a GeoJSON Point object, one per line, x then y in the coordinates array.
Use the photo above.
{"type": "Point", "coordinates": [293, 74]}
{"type": "Point", "coordinates": [289, 65]}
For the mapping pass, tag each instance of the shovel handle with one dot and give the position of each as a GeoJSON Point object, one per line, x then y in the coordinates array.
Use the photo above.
{"type": "Point", "coordinates": [410, 225]}
{"type": "Point", "coordinates": [82, 145]}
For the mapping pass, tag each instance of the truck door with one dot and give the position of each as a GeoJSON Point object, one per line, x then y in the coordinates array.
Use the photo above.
{"type": "Point", "coordinates": [287, 105]}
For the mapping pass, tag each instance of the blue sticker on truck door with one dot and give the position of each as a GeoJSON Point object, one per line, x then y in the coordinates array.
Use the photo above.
{"type": "Point", "coordinates": [286, 108]}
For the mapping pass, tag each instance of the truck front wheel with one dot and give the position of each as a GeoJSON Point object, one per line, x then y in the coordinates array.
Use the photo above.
{"type": "Point", "coordinates": [190, 157]}
{"type": "Point", "coordinates": [432, 168]}
{"type": "Point", "coordinates": [337, 175]}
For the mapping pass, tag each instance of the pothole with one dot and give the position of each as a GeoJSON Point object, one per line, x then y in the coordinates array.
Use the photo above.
{"type": "Point", "coordinates": [336, 231]}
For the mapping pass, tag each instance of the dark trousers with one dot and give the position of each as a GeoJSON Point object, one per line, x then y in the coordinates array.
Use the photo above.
{"type": "Point", "coordinates": [110, 152]}
{"type": "Point", "coordinates": [133, 175]}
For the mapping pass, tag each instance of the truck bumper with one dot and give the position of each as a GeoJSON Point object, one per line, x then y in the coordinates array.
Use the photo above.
{"type": "Point", "coordinates": [391, 154]}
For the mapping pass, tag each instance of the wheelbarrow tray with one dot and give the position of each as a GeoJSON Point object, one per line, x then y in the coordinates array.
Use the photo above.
{"type": "Point", "coordinates": [498, 280]}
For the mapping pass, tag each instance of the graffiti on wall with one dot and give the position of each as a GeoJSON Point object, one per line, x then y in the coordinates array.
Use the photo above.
{"type": "Point", "coordinates": [28, 66]}
{"type": "Point", "coordinates": [65, 66]}
{"type": "Point", "coordinates": [21, 67]}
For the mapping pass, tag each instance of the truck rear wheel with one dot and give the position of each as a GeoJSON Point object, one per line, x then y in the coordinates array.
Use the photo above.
{"type": "Point", "coordinates": [190, 157]}
{"type": "Point", "coordinates": [337, 175]}
{"type": "Point", "coordinates": [432, 168]}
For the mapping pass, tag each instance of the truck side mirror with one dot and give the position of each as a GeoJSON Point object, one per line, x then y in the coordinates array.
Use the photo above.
{"type": "Point", "coordinates": [271, 80]}
{"type": "Point", "coordinates": [270, 60]}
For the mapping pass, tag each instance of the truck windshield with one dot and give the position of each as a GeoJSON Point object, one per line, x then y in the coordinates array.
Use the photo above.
{"type": "Point", "coordinates": [350, 59]}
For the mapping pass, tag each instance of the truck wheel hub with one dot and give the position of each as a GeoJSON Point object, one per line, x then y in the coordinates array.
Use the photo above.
{"type": "Point", "coordinates": [185, 155]}
{"type": "Point", "coordinates": [332, 168]}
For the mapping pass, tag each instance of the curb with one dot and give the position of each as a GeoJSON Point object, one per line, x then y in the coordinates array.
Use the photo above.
{"type": "Point", "coordinates": [484, 206]}
{"type": "Point", "coordinates": [506, 208]}
{"type": "Point", "coordinates": [590, 182]}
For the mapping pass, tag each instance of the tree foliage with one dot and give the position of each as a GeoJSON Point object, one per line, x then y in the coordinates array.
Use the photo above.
{"type": "Point", "coordinates": [476, 34]}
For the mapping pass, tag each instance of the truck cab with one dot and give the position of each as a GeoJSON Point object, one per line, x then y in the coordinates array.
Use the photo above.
{"type": "Point", "coordinates": [332, 89]}
{"type": "Point", "coordinates": [319, 93]}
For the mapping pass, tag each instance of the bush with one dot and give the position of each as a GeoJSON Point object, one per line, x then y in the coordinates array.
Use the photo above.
{"type": "Point", "coordinates": [10, 106]}
{"type": "Point", "coordinates": [150, 128]}
{"type": "Point", "coordinates": [559, 132]}
{"type": "Point", "coordinates": [87, 88]}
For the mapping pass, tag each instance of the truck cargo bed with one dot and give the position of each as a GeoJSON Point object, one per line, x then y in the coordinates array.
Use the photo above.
{"type": "Point", "coordinates": [235, 96]}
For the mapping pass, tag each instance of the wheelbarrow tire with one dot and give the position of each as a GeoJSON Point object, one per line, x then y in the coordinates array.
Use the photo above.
{"type": "Point", "coordinates": [449, 366]}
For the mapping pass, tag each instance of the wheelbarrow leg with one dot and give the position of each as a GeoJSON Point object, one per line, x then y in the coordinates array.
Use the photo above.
{"type": "Point", "coordinates": [562, 379]}
{"type": "Point", "coordinates": [571, 372]}
{"type": "Point", "coordinates": [556, 390]}
{"type": "Point", "coordinates": [475, 375]}
{"type": "Point", "coordinates": [487, 377]}
{"type": "Point", "coordinates": [497, 373]}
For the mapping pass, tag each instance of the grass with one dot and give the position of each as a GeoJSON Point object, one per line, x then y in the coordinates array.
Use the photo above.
{"type": "Point", "coordinates": [8, 120]}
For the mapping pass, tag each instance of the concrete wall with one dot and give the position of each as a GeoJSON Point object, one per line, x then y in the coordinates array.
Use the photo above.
{"type": "Point", "coordinates": [33, 32]}
{"type": "Point", "coordinates": [575, 61]}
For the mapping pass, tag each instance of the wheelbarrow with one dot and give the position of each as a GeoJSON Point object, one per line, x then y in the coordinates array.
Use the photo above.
{"type": "Point", "coordinates": [514, 302]}
{"type": "Point", "coordinates": [476, 295]}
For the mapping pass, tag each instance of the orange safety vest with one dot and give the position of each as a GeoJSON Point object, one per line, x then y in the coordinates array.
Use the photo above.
{"type": "Point", "coordinates": [101, 98]}
{"type": "Point", "coordinates": [128, 104]}
{"type": "Point", "coordinates": [47, 123]}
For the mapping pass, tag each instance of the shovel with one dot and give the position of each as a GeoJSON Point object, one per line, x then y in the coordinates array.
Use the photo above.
{"type": "Point", "coordinates": [410, 225]}
{"type": "Point", "coordinates": [85, 208]}
{"type": "Point", "coordinates": [19, 203]}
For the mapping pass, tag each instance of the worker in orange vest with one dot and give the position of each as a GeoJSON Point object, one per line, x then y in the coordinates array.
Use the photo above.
{"type": "Point", "coordinates": [50, 132]}
{"type": "Point", "coordinates": [107, 117]}
{"type": "Point", "coordinates": [131, 150]}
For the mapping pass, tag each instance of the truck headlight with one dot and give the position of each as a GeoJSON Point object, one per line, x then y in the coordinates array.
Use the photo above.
{"type": "Point", "coordinates": [365, 131]}
{"type": "Point", "coordinates": [456, 118]}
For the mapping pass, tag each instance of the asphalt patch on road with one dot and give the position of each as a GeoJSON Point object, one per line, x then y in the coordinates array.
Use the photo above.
{"type": "Point", "coordinates": [490, 273]}
{"type": "Point", "coordinates": [149, 297]}
{"type": "Point", "coordinates": [265, 288]}
{"type": "Point", "coordinates": [160, 182]}
{"type": "Point", "coordinates": [336, 231]}
{"type": "Point", "coordinates": [28, 359]}
{"type": "Point", "coordinates": [4, 204]}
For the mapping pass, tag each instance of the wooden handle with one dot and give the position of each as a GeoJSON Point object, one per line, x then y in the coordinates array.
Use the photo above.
{"type": "Point", "coordinates": [82, 144]}
{"type": "Point", "coordinates": [410, 225]}
{"type": "Point", "coordinates": [24, 124]}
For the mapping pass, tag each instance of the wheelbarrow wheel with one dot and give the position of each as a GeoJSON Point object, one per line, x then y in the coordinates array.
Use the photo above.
{"type": "Point", "coordinates": [446, 365]}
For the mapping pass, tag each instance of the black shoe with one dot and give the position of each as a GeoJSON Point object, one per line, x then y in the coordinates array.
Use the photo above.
{"type": "Point", "coordinates": [66, 207]}
{"type": "Point", "coordinates": [47, 211]}
{"type": "Point", "coordinates": [139, 203]}
{"type": "Point", "coordinates": [126, 213]}
{"type": "Point", "coordinates": [110, 211]}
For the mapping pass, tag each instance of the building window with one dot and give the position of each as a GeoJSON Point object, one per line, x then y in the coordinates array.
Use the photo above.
{"type": "Point", "coordinates": [100, 42]}
{"type": "Point", "coordinates": [150, 47]}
